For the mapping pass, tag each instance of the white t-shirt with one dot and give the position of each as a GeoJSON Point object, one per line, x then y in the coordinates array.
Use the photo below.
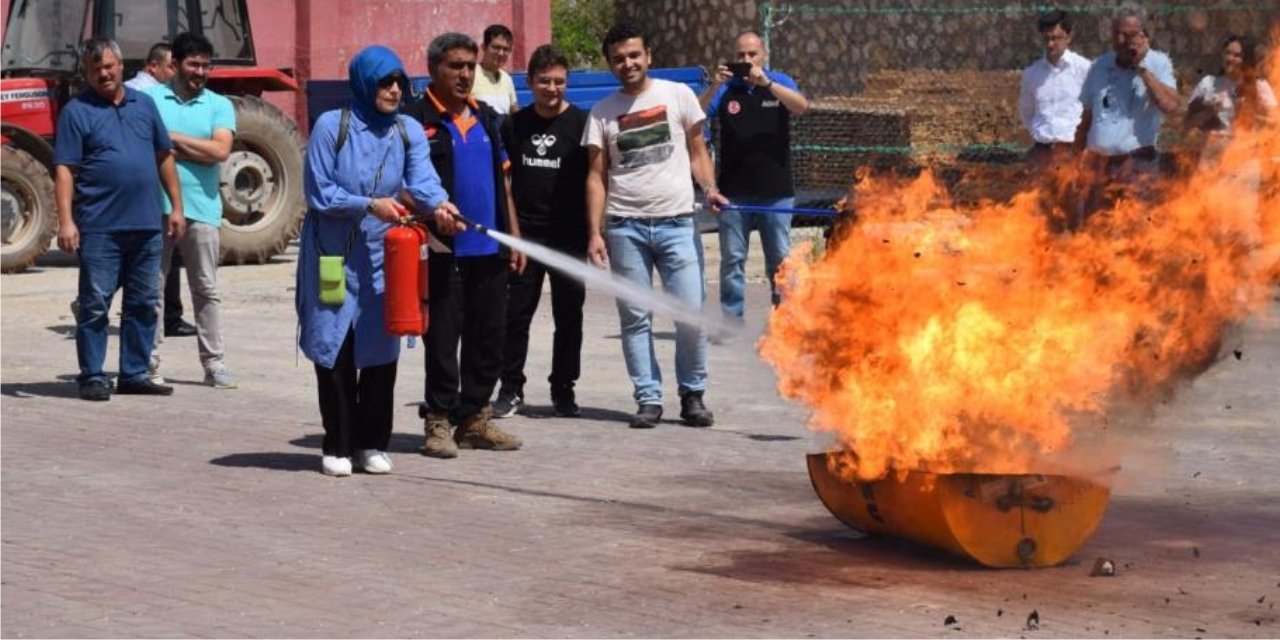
{"type": "Point", "coordinates": [644, 139]}
{"type": "Point", "coordinates": [499, 93]}
{"type": "Point", "coordinates": [1220, 92]}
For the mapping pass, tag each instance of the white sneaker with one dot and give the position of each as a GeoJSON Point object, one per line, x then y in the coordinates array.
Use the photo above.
{"type": "Point", "coordinates": [220, 378]}
{"type": "Point", "coordinates": [335, 466]}
{"type": "Point", "coordinates": [375, 462]}
{"type": "Point", "coordinates": [153, 370]}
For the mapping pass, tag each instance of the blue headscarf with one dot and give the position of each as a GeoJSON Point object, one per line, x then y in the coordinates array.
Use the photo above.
{"type": "Point", "coordinates": [366, 69]}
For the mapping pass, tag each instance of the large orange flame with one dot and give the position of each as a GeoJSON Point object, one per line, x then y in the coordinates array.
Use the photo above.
{"type": "Point", "coordinates": [976, 339]}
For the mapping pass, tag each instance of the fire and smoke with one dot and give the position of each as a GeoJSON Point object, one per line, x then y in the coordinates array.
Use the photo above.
{"type": "Point", "coordinates": [976, 339]}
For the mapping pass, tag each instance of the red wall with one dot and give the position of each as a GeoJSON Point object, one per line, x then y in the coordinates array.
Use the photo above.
{"type": "Point", "coordinates": [317, 38]}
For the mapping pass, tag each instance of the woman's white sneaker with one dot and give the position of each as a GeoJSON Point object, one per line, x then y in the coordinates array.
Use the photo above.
{"type": "Point", "coordinates": [335, 466]}
{"type": "Point", "coordinates": [374, 461]}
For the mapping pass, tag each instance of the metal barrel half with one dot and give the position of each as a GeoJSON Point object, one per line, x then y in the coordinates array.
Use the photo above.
{"type": "Point", "coordinates": [997, 520]}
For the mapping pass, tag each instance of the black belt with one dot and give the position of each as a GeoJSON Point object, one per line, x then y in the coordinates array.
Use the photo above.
{"type": "Point", "coordinates": [1141, 153]}
{"type": "Point", "coordinates": [1054, 145]}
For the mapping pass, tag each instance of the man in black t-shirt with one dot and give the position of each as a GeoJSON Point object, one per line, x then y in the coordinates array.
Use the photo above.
{"type": "Point", "coordinates": [548, 182]}
{"type": "Point", "coordinates": [753, 107]}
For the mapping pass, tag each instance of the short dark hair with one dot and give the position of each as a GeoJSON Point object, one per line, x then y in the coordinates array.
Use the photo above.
{"type": "Point", "coordinates": [1056, 18]}
{"type": "Point", "coordinates": [189, 44]}
{"type": "Point", "coordinates": [159, 52]}
{"type": "Point", "coordinates": [447, 42]}
{"type": "Point", "coordinates": [545, 57]}
{"type": "Point", "coordinates": [621, 32]}
{"type": "Point", "coordinates": [497, 31]}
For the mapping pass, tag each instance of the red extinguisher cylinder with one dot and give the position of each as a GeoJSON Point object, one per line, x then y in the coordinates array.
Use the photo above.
{"type": "Point", "coordinates": [402, 250]}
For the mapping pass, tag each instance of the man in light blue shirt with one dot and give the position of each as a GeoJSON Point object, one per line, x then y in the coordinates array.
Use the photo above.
{"type": "Point", "coordinates": [1126, 95]}
{"type": "Point", "coordinates": [202, 127]}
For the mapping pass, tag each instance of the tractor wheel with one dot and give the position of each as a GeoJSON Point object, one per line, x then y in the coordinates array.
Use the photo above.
{"type": "Point", "coordinates": [261, 184]}
{"type": "Point", "coordinates": [29, 219]}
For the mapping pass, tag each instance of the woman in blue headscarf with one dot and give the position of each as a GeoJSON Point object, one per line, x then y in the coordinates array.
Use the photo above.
{"type": "Point", "coordinates": [353, 178]}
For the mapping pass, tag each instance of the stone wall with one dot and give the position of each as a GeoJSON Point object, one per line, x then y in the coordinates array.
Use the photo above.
{"type": "Point", "coordinates": [831, 46]}
{"type": "Point", "coordinates": [902, 84]}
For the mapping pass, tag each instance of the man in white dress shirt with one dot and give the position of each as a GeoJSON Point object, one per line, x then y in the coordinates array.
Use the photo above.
{"type": "Point", "coordinates": [1049, 99]}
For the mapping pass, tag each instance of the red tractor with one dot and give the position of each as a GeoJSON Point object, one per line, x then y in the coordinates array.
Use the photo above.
{"type": "Point", "coordinates": [261, 181]}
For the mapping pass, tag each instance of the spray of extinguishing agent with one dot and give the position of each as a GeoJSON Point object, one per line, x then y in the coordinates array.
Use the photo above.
{"type": "Point", "coordinates": [594, 277]}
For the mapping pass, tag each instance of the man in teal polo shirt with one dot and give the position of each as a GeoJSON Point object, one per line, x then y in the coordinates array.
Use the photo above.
{"type": "Point", "coordinates": [202, 127]}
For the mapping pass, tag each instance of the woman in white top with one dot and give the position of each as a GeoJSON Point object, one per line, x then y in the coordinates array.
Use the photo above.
{"type": "Point", "coordinates": [1237, 100]}
{"type": "Point", "coordinates": [1237, 97]}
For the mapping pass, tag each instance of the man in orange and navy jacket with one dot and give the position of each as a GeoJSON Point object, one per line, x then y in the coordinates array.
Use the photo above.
{"type": "Point", "coordinates": [468, 279]}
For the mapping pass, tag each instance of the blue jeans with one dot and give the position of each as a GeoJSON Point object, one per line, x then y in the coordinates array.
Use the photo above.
{"type": "Point", "coordinates": [636, 246]}
{"type": "Point", "coordinates": [735, 234]}
{"type": "Point", "coordinates": [110, 261]}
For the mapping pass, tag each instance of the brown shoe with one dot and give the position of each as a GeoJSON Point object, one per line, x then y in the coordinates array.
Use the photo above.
{"type": "Point", "coordinates": [439, 442]}
{"type": "Point", "coordinates": [479, 432]}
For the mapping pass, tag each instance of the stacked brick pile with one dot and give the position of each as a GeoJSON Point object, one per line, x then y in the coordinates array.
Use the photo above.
{"type": "Point", "coordinates": [909, 119]}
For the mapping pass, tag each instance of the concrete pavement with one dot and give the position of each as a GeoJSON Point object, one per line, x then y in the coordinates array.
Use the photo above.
{"type": "Point", "coordinates": [204, 514]}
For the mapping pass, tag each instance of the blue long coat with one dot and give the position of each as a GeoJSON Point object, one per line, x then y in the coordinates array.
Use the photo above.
{"type": "Point", "coordinates": [338, 189]}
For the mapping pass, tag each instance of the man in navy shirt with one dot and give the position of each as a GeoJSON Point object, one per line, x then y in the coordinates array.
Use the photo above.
{"type": "Point", "coordinates": [111, 144]}
{"type": "Point", "coordinates": [754, 108]}
{"type": "Point", "coordinates": [468, 278]}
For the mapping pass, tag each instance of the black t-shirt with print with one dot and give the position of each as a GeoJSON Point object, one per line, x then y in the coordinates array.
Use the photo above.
{"type": "Point", "coordinates": [549, 175]}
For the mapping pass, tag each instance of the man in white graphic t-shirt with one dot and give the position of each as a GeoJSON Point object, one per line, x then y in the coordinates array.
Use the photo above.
{"type": "Point", "coordinates": [643, 141]}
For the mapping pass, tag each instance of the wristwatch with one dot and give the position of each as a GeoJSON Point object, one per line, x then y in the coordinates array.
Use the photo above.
{"type": "Point", "coordinates": [368, 208]}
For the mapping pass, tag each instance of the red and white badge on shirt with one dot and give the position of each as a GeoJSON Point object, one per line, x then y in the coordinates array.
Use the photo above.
{"type": "Point", "coordinates": [734, 107]}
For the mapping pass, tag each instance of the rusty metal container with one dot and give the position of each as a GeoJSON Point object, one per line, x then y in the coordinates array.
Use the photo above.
{"type": "Point", "coordinates": [997, 520]}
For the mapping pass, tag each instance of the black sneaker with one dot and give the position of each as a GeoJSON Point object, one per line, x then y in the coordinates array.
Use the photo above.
{"type": "Point", "coordinates": [564, 406]}
{"type": "Point", "coordinates": [647, 417]}
{"type": "Point", "coordinates": [143, 387]}
{"type": "Point", "coordinates": [179, 329]}
{"type": "Point", "coordinates": [95, 390]}
{"type": "Point", "coordinates": [693, 412]}
{"type": "Point", "coordinates": [507, 404]}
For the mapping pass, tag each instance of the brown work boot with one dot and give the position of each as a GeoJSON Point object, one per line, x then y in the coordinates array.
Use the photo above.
{"type": "Point", "coordinates": [439, 443]}
{"type": "Point", "coordinates": [479, 432]}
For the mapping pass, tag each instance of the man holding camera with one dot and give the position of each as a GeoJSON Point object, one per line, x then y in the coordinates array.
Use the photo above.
{"type": "Point", "coordinates": [753, 106]}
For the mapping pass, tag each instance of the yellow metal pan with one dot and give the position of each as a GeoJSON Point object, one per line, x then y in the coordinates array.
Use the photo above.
{"type": "Point", "coordinates": [996, 520]}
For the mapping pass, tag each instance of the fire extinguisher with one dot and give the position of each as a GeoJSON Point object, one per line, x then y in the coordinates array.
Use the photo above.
{"type": "Point", "coordinates": [405, 269]}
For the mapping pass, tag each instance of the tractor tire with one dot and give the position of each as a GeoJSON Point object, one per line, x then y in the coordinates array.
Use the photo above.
{"type": "Point", "coordinates": [261, 184]}
{"type": "Point", "coordinates": [30, 219]}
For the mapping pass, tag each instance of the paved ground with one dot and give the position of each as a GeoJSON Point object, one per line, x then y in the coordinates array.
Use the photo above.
{"type": "Point", "coordinates": [204, 514]}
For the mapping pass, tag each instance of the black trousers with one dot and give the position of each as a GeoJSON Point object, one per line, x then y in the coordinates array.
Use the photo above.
{"type": "Point", "coordinates": [173, 291]}
{"type": "Point", "coordinates": [467, 306]}
{"type": "Point", "coordinates": [567, 297]}
{"type": "Point", "coordinates": [355, 405]}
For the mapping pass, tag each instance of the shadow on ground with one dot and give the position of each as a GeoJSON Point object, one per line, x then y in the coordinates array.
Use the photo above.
{"type": "Point", "coordinates": [69, 330]}
{"type": "Point", "coordinates": [272, 460]}
{"type": "Point", "coordinates": [60, 389]}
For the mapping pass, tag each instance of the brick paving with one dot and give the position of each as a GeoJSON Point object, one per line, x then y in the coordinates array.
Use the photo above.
{"type": "Point", "coordinates": [204, 514]}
